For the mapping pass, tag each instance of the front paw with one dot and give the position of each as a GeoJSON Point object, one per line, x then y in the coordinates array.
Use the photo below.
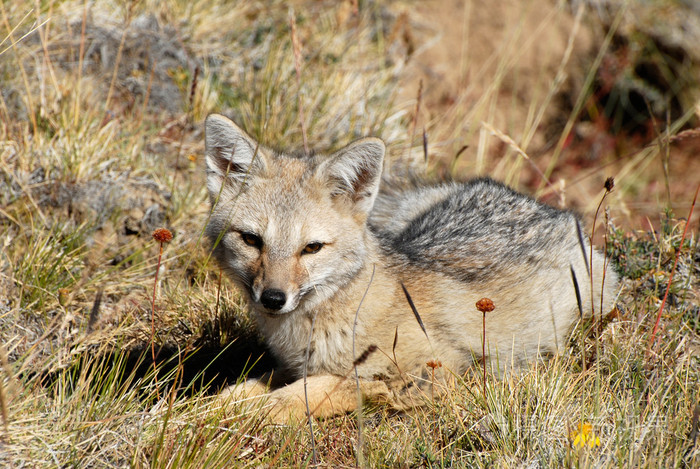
{"type": "Point", "coordinates": [282, 406]}
{"type": "Point", "coordinates": [245, 398]}
{"type": "Point", "coordinates": [245, 390]}
{"type": "Point", "coordinates": [324, 396]}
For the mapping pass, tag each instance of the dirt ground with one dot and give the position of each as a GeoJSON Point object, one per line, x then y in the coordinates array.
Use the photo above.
{"type": "Point", "coordinates": [495, 62]}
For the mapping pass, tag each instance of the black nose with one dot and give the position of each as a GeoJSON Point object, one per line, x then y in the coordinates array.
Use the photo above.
{"type": "Point", "coordinates": [273, 299]}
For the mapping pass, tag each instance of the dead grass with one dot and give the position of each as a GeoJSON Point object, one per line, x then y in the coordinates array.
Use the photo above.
{"type": "Point", "coordinates": [101, 143]}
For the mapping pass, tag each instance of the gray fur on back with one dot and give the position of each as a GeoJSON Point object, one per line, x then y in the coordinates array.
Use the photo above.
{"type": "Point", "coordinates": [472, 230]}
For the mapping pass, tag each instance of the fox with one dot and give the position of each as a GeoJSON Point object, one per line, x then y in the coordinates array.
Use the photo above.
{"type": "Point", "coordinates": [365, 287]}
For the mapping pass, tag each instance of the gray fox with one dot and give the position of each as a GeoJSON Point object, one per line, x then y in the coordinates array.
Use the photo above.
{"type": "Point", "coordinates": [342, 270]}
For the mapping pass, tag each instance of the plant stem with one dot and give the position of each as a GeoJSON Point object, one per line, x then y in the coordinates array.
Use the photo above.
{"type": "Point", "coordinates": [483, 351]}
{"type": "Point", "coordinates": [153, 314]}
{"type": "Point", "coordinates": [673, 270]}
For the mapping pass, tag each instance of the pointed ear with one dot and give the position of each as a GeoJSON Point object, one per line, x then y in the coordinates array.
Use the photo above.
{"type": "Point", "coordinates": [231, 154]}
{"type": "Point", "coordinates": [355, 171]}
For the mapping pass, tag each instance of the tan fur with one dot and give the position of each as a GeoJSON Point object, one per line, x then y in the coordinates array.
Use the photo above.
{"type": "Point", "coordinates": [290, 203]}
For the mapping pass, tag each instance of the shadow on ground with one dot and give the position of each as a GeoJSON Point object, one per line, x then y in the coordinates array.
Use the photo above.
{"type": "Point", "coordinates": [204, 367]}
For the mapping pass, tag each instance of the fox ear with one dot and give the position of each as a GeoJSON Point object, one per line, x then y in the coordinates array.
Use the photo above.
{"type": "Point", "coordinates": [231, 154]}
{"type": "Point", "coordinates": [355, 172]}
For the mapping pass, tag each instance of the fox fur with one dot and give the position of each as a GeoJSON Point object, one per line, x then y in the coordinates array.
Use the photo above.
{"type": "Point", "coordinates": [332, 261]}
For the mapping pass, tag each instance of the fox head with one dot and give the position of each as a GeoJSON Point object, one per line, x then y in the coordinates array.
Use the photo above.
{"type": "Point", "coordinates": [289, 230]}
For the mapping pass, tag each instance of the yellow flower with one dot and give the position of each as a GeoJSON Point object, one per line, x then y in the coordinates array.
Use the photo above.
{"type": "Point", "coordinates": [584, 435]}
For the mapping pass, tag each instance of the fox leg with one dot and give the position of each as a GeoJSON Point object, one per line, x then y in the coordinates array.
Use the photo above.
{"type": "Point", "coordinates": [328, 395]}
{"type": "Point", "coordinates": [254, 387]}
{"type": "Point", "coordinates": [247, 390]}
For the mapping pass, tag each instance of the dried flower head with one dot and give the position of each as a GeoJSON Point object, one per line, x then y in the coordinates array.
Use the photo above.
{"type": "Point", "coordinates": [434, 364]}
{"type": "Point", "coordinates": [365, 355]}
{"type": "Point", "coordinates": [610, 184]}
{"type": "Point", "coordinates": [162, 235]}
{"type": "Point", "coordinates": [485, 305]}
{"type": "Point", "coordinates": [63, 296]}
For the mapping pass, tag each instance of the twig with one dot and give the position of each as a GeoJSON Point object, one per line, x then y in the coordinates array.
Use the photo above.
{"type": "Point", "coordinates": [31, 110]}
{"type": "Point", "coordinates": [577, 290]}
{"type": "Point", "coordinates": [511, 143]}
{"type": "Point", "coordinates": [360, 440]}
{"type": "Point", "coordinates": [689, 133]}
{"type": "Point", "coordinates": [3, 395]}
{"type": "Point", "coordinates": [147, 96]}
{"type": "Point", "coordinates": [459, 153]}
{"type": "Point", "coordinates": [606, 260]}
{"type": "Point", "coordinates": [609, 185]}
{"type": "Point", "coordinates": [483, 349]}
{"type": "Point", "coordinates": [218, 294]}
{"type": "Point", "coordinates": [485, 305]}
{"type": "Point", "coordinates": [81, 59]}
{"type": "Point", "coordinates": [673, 270]}
{"type": "Point", "coordinates": [117, 60]}
{"type": "Point", "coordinates": [296, 47]}
{"type": "Point", "coordinates": [419, 98]}
{"type": "Point", "coordinates": [95, 312]}
{"type": "Point", "coordinates": [162, 235]}
{"type": "Point", "coordinates": [188, 119]}
{"type": "Point", "coordinates": [314, 456]}
{"type": "Point", "coordinates": [415, 311]}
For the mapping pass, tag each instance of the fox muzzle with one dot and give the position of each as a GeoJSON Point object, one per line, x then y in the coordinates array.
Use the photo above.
{"type": "Point", "coordinates": [273, 299]}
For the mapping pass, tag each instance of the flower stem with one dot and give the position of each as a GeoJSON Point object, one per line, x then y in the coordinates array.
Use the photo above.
{"type": "Point", "coordinates": [153, 314]}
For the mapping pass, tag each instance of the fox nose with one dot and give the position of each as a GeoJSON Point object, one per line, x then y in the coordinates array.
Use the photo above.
{"type": "Point", "coordinates": [273, 299]}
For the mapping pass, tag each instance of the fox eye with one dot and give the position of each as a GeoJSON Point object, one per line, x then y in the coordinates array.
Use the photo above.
{"type": "Point", "coordinates": [312, 248]}
{"type": "Point", "coordinates": [252, 240]}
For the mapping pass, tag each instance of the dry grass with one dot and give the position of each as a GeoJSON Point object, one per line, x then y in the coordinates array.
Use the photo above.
{"type": "Point", "coordinates": [101, 143]}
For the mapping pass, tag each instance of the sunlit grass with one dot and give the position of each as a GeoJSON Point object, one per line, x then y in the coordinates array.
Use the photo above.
{"type": "Point", "coordinates": [84, 180]}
